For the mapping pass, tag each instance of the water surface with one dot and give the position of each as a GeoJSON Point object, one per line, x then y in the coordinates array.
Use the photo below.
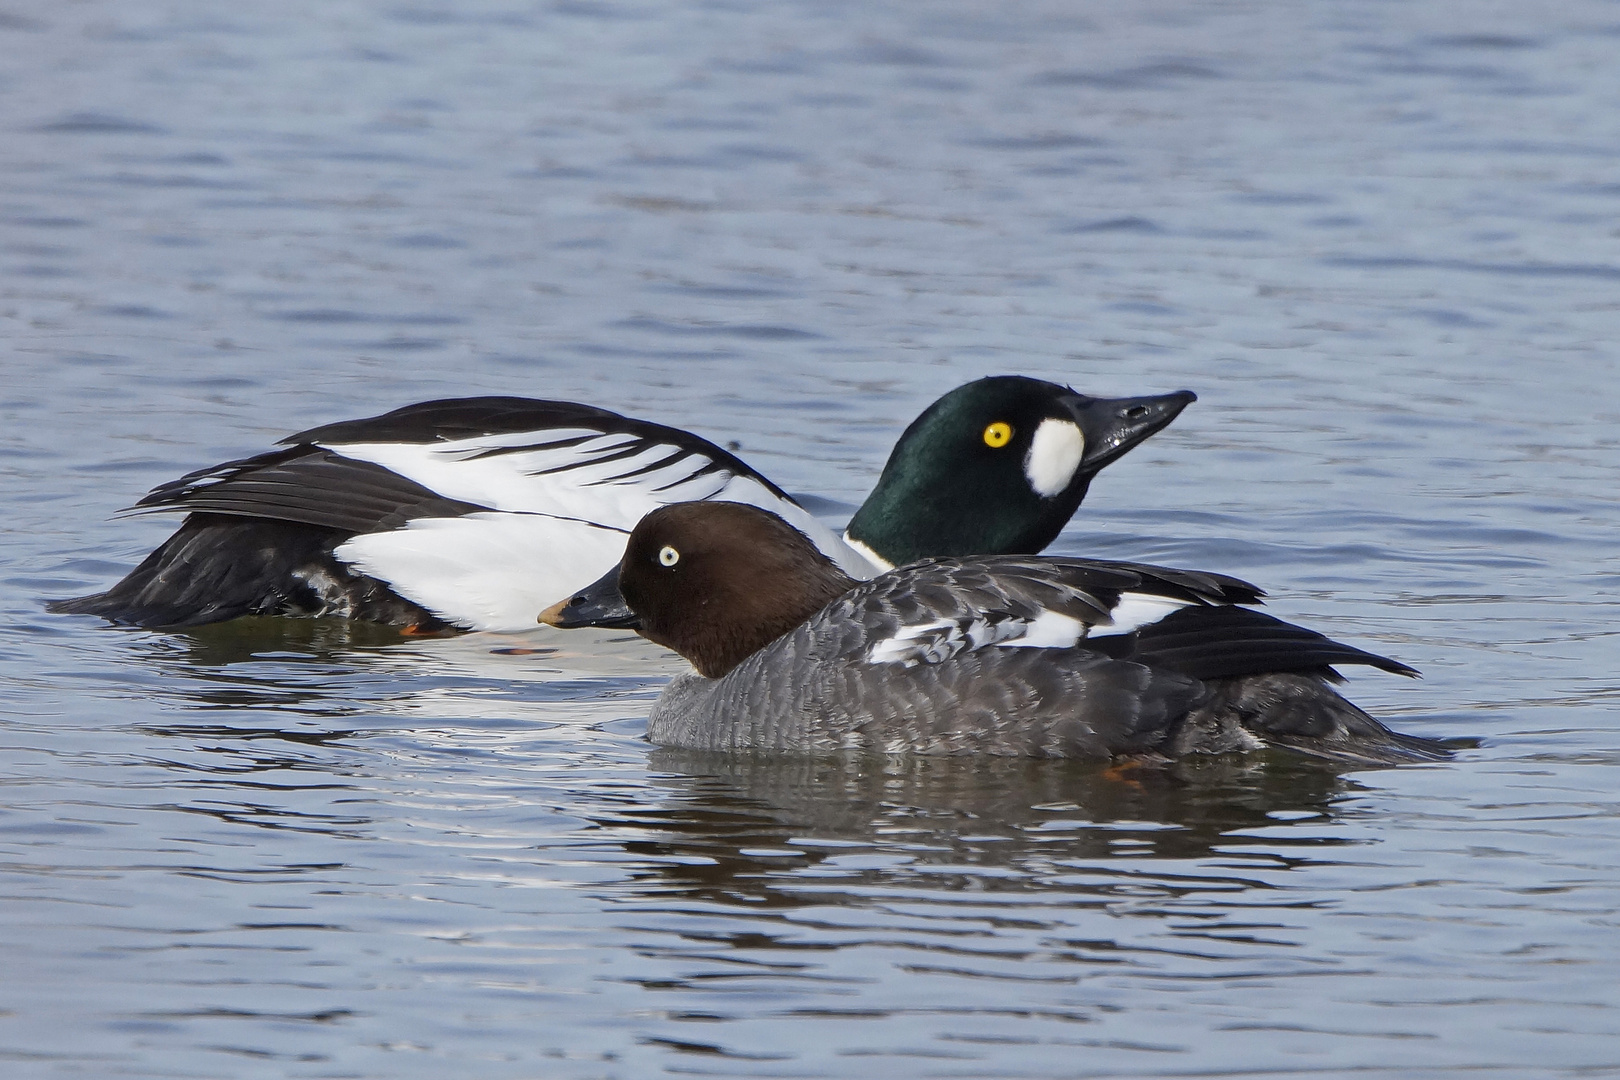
{"type": "Point", "coordinates": [1379, 240]}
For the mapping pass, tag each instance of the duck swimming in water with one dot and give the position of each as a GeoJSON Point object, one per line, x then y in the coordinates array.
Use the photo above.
{"type": "Point", "coordinates": [1012, 655]}
{"type": "Point", "coordinates": [476, 513]}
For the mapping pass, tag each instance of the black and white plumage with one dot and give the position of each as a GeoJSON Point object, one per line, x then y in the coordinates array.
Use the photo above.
{"type": "Point", "coordinates": [477, 513]}
{"type": "Point", "coordinates": [1050, 657]}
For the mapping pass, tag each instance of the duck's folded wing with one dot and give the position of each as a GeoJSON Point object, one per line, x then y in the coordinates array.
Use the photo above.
{"type": "Point", "coordinates": [308, 486]}
{"type": "Point", "coordinates": [461, 456]}
{"type": "Point", "coordinates": [457, 419]}
{"type": "Point", "coordinates": [1229, 642]}
{"type": "Point", "coordinates": [514, 454]}
{"type": "Point", "coordinates": [485, 511]}
{"type": "Point", "coordinates": [938, 609]}
{"type": "Point", "coordinates": [1194, 586]}
{"type": "Point", "coordinates": [592, 466]}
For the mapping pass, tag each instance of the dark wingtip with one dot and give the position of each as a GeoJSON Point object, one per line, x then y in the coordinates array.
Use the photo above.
{"type": "Point", "coordinates": [75, 605]}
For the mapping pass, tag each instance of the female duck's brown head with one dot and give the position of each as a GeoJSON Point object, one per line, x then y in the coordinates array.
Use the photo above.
{"type": "Point", "coordinates": [718, 581]}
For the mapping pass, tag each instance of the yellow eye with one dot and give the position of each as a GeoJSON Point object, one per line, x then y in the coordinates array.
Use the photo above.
{"type": "Point", "coordinates": [668, 556]}
{"type": "Point", "coordinates": [998, 435]}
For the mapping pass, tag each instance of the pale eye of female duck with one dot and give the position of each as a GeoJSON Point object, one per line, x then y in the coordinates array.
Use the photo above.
{"type": "Point", "coordinates": [997, 435]}
{"type": "Point", "coordinates": [668, 556]}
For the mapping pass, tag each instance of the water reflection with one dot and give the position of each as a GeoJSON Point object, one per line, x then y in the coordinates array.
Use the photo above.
{"type": "Point", "coordinates": [248, 639]}
{"type": "Point", "coordinates": [325, 668]}
{"type": "Point", "coordinates": [732, 828]}
{"type": "Point", "coordinates": [285, 665]}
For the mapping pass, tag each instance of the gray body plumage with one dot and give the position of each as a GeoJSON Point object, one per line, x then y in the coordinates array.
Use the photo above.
{"type": "Point", "coordinates": [925, 660]}
{"type": "Point", "coordinates": [1010, 704]}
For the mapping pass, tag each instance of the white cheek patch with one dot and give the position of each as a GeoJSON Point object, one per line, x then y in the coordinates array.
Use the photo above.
{"type": "Point", "coordinates": [1054, 455]}
{"type": "Point", "coordinates": [1136, 610]}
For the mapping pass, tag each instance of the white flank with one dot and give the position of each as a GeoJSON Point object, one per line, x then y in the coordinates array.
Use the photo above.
{"type": "Point", "coordinates": [1048, 630]}
{"type": "Point", "coordinates": [1054, 455]}
{"type": "Point", "coordinates": [1136, 610]}
{"type": "Point", "coordinates": [487, 571]}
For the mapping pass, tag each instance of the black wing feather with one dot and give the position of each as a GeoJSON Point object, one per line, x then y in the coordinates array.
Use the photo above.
{"type": "Point", "coordinates": [983, 582]}
{"type": "Point", "coordinates": [217, 568]}
{"type": "Point", "coordinates": [1194, 586]}
{"type": "Point", "coordinates": [309, 486]}
{"type": "Point", "coordinates": [1226, 642]}
{"type": "Point", "coordinates": [449, 419]}
{"type": "Point", "coordinates": [1215, 637]}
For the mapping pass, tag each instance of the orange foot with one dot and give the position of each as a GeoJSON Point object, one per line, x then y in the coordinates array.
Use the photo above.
{"type": "Point", "coordinates": [1118, 770]}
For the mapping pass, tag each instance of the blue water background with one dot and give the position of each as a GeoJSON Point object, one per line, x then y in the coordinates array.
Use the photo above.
{"type": "Point", "coordinates": [1380, 240]}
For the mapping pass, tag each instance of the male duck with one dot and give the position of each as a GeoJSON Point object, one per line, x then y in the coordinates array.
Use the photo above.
{"type": "Point", "coordinates": [1037, 656]}
{"type": "Point", "coordinates": [429, 517]}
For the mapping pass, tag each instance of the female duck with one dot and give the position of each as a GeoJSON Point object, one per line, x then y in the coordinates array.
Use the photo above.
{"type": "Point", "coordinates": [430, 516]}
{"type": "Point", "coordinates": [1047, 657]}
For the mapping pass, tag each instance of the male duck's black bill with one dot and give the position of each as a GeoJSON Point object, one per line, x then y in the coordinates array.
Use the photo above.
{"type": "Point", "coordinates": [598, 604]}
{"type": "Point", "coordinates": [1114, 426]}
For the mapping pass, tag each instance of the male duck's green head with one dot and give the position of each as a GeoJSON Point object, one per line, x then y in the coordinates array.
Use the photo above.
{"type": "Point", "coordinates": [997, 467]}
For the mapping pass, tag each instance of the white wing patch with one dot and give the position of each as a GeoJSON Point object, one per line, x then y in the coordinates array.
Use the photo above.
{"type": "Point", "coordinates": [940, 640]}
{"type": "Point", "coordinates": [1049, 630]}
{"type": "Point", "coordinates": [1136, 610]}
{"type": "Point", "coordinates": [1054, 455]}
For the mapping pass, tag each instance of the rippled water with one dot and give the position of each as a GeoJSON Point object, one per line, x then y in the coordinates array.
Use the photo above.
{"type": "Point", "coordinates": [1380, 240]}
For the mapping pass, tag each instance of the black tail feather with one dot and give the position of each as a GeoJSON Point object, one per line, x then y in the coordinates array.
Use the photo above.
{"type": "Point", "coordinates": [218, 567]}
{"type": "Point", "coordinates": [1224, 642]}
{"type": "Point", "coordinates": [1302, 713]}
